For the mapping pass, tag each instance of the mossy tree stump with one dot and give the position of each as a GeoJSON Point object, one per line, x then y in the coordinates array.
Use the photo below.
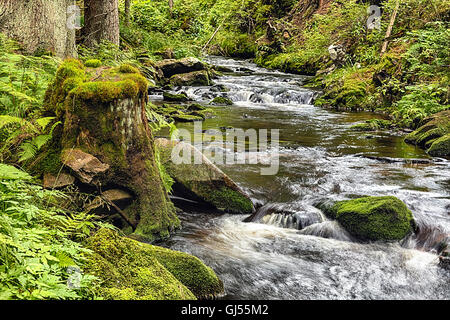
{"type": "Point", "coordinates": [103, 111]}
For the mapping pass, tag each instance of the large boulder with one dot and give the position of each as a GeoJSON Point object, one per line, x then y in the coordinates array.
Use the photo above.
{"type": "Point", "coordinates": [196, 78]}
{"type": "Point", "coordinates": [433, 135]}
{"type": "Point", "coordinates": [131, 270]}
{"type": "Point", "coordinates": [170, 67]}
{"type": "Point", "coordinates": [373, 218]}
{"type": "Point", "coordinates": [203, 181]}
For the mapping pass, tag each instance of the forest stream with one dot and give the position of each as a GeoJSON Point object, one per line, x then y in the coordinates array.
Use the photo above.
{"type": "Point", "coordinates": [303, 255]}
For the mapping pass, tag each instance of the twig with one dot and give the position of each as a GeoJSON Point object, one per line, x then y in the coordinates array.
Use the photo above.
{"type": "Point", "coordinates": [214, 34]}
{"type": "Point", "coordinates": [122, 214]}
{"type": "Point", "coordinates": [389, 29]}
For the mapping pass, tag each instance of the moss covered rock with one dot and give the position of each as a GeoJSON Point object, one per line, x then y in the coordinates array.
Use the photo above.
{"type": "Point", "coordinates": [93, 63]}
{"type": "Point", "coordinates": [374, 218]}
{"type": "Point", "coordinates": [196, 78]}
{"type": "Point", "coordinates": [170, 67]}
{"type": "Point", "coordinates": [183, 113]}
{"type": "Point", "coordinates": [130, 270]}
{"type": "Point", "coordinates": [433, 135]}
{"type": "Point", "coordinates": [172, 97]}
{"type": "Point", "coordinates": [440, 147]}
{"type": "Point", "coordinates": [221, 101]}
{"type": "Point", "coordinates": [204, 181]}
{"type": "Point", "coordinates": [187, 118]}
{"type": "Point", "coordinates": [372, 125]}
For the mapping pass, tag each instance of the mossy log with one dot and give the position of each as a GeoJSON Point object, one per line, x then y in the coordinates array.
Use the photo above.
{"type": "Point", "coordinates": [433, 135]}
{"type": "Point", "coordinates": [103, 111]}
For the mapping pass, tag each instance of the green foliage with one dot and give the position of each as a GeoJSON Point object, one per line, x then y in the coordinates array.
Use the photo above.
{"type": "Point", "coordinates": [165, 177]}
{"type": "Point", "coordinates": [37, 242]}
{"type": "Point", "coordinates": [429, 54]}
{"type": "Point", "coordinates": [23, 79]}
{"type": "Point", "coordinates": [93, 63]}
{"type": "Point", "coordinates": [30, 136]}
{"type": "Point", "coordinates": [419, 102]}
{"type": "Point", "coordinates": [23, 82]}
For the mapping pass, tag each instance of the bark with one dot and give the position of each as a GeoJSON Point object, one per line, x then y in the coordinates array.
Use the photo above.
{"type": "Point", "coordinates": [127, 12]}
{"type": "Point", "coordinates": [389, 29]}
{"type": "Point", "coordinates": [39, 25]}
{"type": "Point", "coordinates": [101, 22]}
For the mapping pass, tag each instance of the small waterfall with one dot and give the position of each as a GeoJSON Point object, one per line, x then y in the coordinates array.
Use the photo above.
{"type": "Point", "coordinates": [290, 216]}
{"type": "Point", "coordinates": [270, 88]}
{"type": "Point", "coordinates": [328, 230]}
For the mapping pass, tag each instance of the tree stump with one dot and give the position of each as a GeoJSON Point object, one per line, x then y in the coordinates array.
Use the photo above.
{"type": "Point", "coordinates": [103, 111]}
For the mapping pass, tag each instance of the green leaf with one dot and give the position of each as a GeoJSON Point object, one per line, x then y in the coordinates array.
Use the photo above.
{"type": "Point", "coordinates": [8, 172]}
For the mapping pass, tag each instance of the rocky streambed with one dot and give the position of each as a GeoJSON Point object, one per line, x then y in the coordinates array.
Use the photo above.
{"type": "Point", "coordinates": [289, 248]}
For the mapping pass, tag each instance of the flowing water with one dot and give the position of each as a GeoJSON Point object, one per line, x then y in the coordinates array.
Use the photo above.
{"type": "Point", "coordinates": [291, 250]}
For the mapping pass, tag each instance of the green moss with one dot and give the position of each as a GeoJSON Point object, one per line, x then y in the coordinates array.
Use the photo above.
{"type": "Point", "coordinates": [221, 101]}
{"type": "Point", "coordinates": [432, 134]}
{"type": "Point", "coordinates": [106, 91]}
{"type": "Point", "coordinates": [227, 199]}
{"type": "Point", "coordinates": [190, 271]}
{"type": "Point", "coordinates": [175, 97]}
{"type": "Point", "coordinates": [159, 219]}
{"type": "Point", "coordinates": [196, 107]}
{"type": "Point", "coordinates": [130, 270]}
{"type": "Point", "coordinates": [138, 79]}
{"type": "Point", "coordinates": [70, 74]}
{"type": "Point", "coordinates": [440, 147]}
{"type": "Point", "coordinates": [372, 125]}
{"type": "Point", "coordinates": [126, 68]}
{"type": "Point", "coordinates": [93, 63]}
{"type": "Point", "coordinates": [204, 114]}
{"type": "Point", "coordinates": [374, 218]}
{"type": "Point", "coordinates": [51, 163]}
{"type": "Point", "coordinates": [196, 78]}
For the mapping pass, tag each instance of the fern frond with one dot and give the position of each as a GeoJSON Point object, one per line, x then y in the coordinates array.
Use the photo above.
{"type": "Point", "coordinates": [28, 152]}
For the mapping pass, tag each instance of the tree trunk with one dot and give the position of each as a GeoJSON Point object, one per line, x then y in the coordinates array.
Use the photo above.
{"type": "Point", "coordinates": [127, 12]}
{"type": "Point", "coordinates": [101, 22]}
{"type": "Point", "coordinates": [40, 25]}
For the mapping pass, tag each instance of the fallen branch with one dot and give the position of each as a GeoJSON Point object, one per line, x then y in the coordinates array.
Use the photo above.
{"type": "Point", "coordinates": [214, 34]}
{"type": "Point", "coordinates": [122, 214]}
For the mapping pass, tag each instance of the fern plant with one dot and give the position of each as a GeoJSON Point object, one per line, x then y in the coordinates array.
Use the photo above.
{"type": "Point", "coordinates": [30, 135]}
{"type": "Point", "coordinates": [38, 242]}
